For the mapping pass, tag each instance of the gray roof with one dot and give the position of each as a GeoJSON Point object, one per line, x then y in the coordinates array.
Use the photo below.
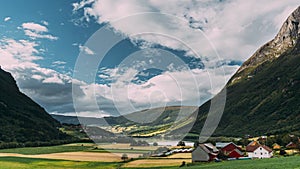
{"type": "Point", "coordinates": [221, 145]}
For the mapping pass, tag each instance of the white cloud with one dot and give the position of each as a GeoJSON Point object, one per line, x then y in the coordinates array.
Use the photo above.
{"type": "Point", "coordinates": [34, 27]}
{"type": "Point", "coordinates": [34, 30]}
{"type": "Point", "coordinates": [79, 5]}
{"type": "Point", "coordinates": [7, 19]}
{"type": "Point", "coordinates": [236, 27]}
{"type": "Point", "coordinates": [59, 63]}
{"type": "Point", "coordinates": [86, 50]}
{"type": "Point", "coordinates": [34, 35]}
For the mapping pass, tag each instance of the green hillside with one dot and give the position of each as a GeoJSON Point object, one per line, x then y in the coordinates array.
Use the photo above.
{"type": "Point", "coordinates": [21, 119]}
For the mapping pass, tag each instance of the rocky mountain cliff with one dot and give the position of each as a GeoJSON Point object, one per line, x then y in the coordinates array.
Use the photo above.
{"type": "Point", "coordinates": [284, 40]}
{"type": "Point", "coordinates": [21, 119]}
{"type": "Point", "coordinates": [263, 96]}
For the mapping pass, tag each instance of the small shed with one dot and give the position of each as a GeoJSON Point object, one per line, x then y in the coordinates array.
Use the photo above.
{"type": "Point", "coordinates": [204, 153]}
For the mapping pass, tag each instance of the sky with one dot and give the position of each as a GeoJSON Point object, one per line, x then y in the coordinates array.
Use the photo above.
{"type": "Point", "coordinates": [126, 56]}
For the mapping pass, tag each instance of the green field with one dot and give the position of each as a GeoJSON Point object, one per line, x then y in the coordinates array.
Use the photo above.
{"type": "Point", "coordinates": [274, 163]}
{"type": "Point", "coordinates": [29, 163]}
{"type": "Point", "coordinates": [47, 150]}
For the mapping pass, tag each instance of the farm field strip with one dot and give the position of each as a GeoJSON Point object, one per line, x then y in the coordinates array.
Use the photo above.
{"type": "Point", "coordinates": [76, 156]}
{"type": "Point", "coordinates": [145, 163]}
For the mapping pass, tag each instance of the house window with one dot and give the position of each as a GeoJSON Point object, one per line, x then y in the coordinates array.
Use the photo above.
{"type": "Point", "coordinates": [254, 153]}
{"type": "Point", "coordinates": [261, 153]}
{"type": "Point", "coordinates": [260, 148]}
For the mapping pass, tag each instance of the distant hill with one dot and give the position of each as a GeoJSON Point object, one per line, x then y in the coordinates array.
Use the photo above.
{"type": "Point", "coordinates": [263, 97]}
{"type": "Point", "coordinates": [76, 120]}
{"type": "Point", "coordinates": [143, 123]}
{"type": "Point", "coordinates": [21, 119]}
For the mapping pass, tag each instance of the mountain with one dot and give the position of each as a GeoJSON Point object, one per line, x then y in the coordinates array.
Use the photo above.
{"type": "Point", "coordinates": [21, 119]}
{"type": "Point", "coordinates": [263, 96]}
{"type": "Point", "coordinates": [76, 120]}
{"type": "Point", "coordinates": [145, 123]}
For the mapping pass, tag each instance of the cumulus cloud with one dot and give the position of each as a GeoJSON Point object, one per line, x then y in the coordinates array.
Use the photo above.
{"type": "Point", "coordinates": [34, 27]}
{"type": "Point", "coordinates": [7, 19]}
{"type": "Point", "coordinates": [34, 30]}
{"type": "Point", "coordinates": [236, 27]}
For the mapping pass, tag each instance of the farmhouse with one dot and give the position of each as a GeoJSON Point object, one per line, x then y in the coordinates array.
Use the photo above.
{"type": "Point", "coordinates": [204, 152]}
{"type": "Point", "coordinates": [259, 151]}
{"type": "Point", "coordinates": [230, 150]}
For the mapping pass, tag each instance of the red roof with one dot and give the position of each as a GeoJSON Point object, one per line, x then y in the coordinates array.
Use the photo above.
{"type": "Point", "coordinates": [267, 148]}
{"type": "Point", "coordinates": [235, 154]}
{"type": "Point", "coordinates": [230, 147]}
{"type": "Point", "coordinates": [291, 145]}
{"type": "Point", "coordinates": [250, 148]}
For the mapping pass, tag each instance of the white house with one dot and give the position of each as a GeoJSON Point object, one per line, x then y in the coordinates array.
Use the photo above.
{"type": "Point", "coordinates": [260, 151]}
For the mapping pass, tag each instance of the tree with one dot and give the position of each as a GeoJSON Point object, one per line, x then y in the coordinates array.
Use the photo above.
{"type": "Point", "coordinates": [196, 144]}
{"type": "Point", "coordinates": [124, 157]}
{"type": "Point", "coordinates": [282, 152]}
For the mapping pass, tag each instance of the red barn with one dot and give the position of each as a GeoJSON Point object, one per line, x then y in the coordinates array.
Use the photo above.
{"type": "Point", "coordinates": [231, 150]}
{"type": "Point", "coordinates": [236, 153]}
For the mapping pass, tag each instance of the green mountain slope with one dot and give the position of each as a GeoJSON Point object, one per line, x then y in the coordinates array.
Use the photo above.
{"type": "Point", "coordinates": [21, 118]}
{"type": "Point", "coordinates": [263, 96]}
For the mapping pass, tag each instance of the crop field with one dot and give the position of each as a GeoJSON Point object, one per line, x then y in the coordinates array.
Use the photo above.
{"type": "Point", "coordinates": [181, 155]}
{"type": "Point", "coordinates": [84, 156]}
{"type": "Point", "coordinates": [146, 163]}
{"type": "Point", "coordinates": [126, 146]}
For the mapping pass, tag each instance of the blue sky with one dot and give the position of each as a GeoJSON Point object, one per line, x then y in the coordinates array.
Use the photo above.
{"type": "Point", "coordinates": [193, 49]}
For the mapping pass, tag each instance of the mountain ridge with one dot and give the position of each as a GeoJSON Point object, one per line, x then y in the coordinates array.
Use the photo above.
{"type": "Point", "coordinates": [23, 120]}
{"type": "Point", "coordinates": [285, 39]}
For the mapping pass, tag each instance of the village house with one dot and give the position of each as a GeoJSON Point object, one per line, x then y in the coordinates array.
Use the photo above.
{"type": "Point", "coordinates": [204, 153]}
{"type": "Point", "coordinates": [291, 145]}
{"type": "Point", "coordinates": [230, 150]}
{"type": "Point", "coordinates": [256, 150]}
{"type": "Point", "coordinates": [276, 146]}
